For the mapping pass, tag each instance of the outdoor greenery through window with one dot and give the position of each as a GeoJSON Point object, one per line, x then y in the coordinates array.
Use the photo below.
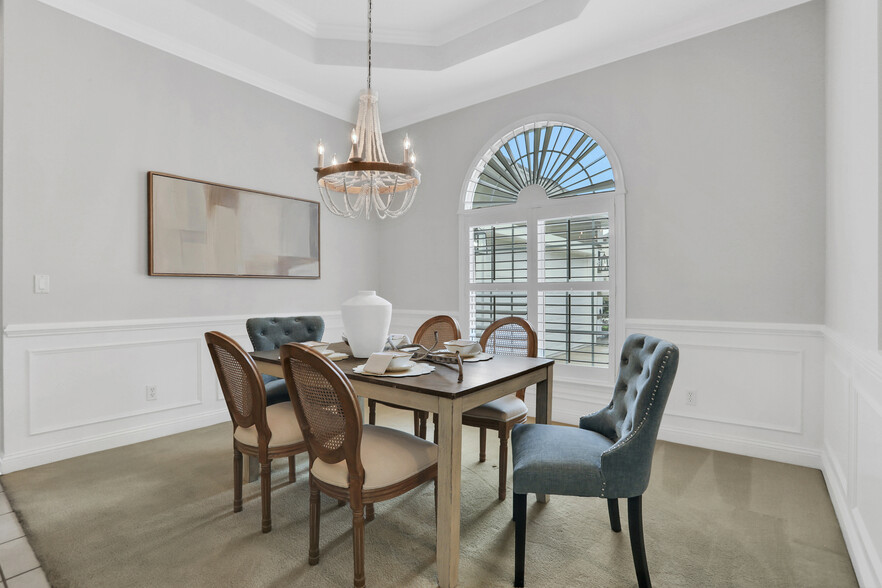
{"type": "Point", "coordinates": [548, 263]}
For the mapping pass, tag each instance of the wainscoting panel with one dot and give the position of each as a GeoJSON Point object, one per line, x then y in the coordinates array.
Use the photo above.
{"type": "Point", "coordinates": [115, 377]}
{"type": "Point", "coordinates": [852, 456]}
{"type": "Point", "coordinates": [759, 386]}
{"type": "Point", "coordinates": [74, 388]}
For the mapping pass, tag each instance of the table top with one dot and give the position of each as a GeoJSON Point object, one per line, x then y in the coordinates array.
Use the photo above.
{"type": "Point", "coordinates": [441, 382]}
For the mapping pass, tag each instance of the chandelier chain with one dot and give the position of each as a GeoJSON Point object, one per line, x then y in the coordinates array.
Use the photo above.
{"type": "Point", "coordinates": [370, 34]}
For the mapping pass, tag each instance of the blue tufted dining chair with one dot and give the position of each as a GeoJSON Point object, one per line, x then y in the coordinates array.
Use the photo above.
{"type": "Point", "coordinates": [271, 333]}
{"type": "Point", "coordinates": [608, 456]}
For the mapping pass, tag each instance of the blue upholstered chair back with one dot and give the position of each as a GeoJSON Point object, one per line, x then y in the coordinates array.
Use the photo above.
{"type": "Point", "coordinates": [273, 332]}
{"type": "Point", "coordinates": [631, 420]}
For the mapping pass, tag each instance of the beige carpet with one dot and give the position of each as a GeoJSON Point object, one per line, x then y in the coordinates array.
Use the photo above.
{"type": "Point", "coordinates": [159, 514]}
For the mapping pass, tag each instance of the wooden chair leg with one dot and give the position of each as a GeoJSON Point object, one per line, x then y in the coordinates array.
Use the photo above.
{"type": "Point", "coordinates": [503, 459]}
{"type": "Point", "coordinates": [416, 423]}
{"type": "Point", "coordinates": [482, 445]}
{"type": "Point", "coordinates": [315, 514]}
{"type": "Point", "coordinates": [520, 519]}
{"type": "Point", "coordinates": [237, 480]}
{"type": "Point", "coordinates": [358, 544]}
{"type": "Point", "coordinates": [614, 521]}
{"type": "Point", "coordinates": [638, 548]}
{"type": "Point", "coordinates": [292, 469]}
{"type": "Point", "coordinates": [372, 411]}
{"type": "Point", "coordinates": [368, 512]}
{"type": "Point", "coordinates": [265, 492]}
{"type": "Point", "coordinates": [435, 426]}
{"type": "Point", "coordinates": [424, 419]}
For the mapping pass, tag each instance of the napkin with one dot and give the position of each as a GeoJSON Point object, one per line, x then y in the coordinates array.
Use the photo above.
{"type": "Point", "coordinates": [378, 362]}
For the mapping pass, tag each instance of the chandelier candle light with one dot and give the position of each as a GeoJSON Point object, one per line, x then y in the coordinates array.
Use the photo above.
{"type": "Point", "coordinates": [367, 181]}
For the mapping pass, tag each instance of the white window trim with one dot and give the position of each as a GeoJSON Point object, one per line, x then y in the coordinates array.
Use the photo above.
{"type": "Point", "coordinates": [612, 203]}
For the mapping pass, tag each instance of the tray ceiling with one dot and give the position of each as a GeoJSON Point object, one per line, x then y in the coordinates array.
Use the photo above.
{"type": "Point", "coordinates": [429, 58]}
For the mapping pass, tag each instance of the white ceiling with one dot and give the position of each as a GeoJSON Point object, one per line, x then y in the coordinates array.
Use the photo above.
{"type": "Point", "coordinates": [429, 58]}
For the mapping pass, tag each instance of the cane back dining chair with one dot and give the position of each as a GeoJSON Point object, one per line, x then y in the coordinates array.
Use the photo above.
{"type": "Point", "coordinates": [268, 333]}
{"type": "Point", "coordinates": [437, 329]}
{"type": "Point", "coordinates": [361, 464]}
{"type": "Point", "coordinates": [608, 456]}
{"type": "Point", "coordinates": [266, 432]}
{"type": "Point", "coordinates": [507, 336]}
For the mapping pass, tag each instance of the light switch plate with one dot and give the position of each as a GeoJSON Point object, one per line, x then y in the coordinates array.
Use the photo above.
{"type": "Point", "coordinates": [41, 284]}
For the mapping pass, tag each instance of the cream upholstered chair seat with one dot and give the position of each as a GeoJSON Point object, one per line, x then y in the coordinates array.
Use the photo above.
{"type": "Point", "coordinates": [281, 420]}
{"type": "Point", "coordinates": [388, 455]}
{"type": "Point", "coordinates": [502, 409]}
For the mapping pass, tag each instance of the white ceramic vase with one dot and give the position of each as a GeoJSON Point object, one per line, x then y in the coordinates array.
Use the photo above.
{"type": "Point", "coordinates": [366, 320]}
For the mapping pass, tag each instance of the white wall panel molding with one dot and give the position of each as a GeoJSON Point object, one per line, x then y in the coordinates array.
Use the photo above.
{"type": "Point", "coordinates": [721, 327]}
{"type": "Point", "coordinates": [851, 459]}
{"type": "Point", "coordinates": [237, 323]}
{"type": "Point", "coordinates": [74, 388]}
{"type": "Point", "coordinates": [759, 387]}
{"type": "Point", "coordinates": [56, 378]}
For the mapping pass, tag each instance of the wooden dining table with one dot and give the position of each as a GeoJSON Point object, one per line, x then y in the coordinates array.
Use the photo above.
{"type": "Point", "coordinates": [439, 392]}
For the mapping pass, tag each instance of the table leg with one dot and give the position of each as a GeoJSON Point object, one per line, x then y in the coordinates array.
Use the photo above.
{"type": "Point", "coordinates": [449, 478]}
{"type": "Point", "coordinates": [543, 410]}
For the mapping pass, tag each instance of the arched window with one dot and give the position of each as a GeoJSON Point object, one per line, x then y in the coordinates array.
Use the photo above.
{"type": "Point", "coordinates": [542, 228]}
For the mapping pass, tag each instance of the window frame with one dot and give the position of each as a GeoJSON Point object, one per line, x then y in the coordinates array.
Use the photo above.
{"type": "Point", "coordinates": [533, 206]}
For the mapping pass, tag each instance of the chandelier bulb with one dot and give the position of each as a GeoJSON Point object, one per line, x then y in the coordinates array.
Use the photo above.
{"type": "Point", "coordinates": [353, 136]}
{"type": "Point", "coordinates": [321, 154]}
{"type": "Point", "coordinates": [334, 160]}
{"type": "Point", "coordinates": [407, 152]}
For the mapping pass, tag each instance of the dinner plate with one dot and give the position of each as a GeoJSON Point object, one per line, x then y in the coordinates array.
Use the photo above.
{"type": "Point", "coordinates": [418, 369]}
{"type": "Point", "coordinates": [470, 356]}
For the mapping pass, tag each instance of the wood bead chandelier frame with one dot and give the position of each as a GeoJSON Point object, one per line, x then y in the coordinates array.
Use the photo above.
{"type": "Point", "coordinates": [368, 182]}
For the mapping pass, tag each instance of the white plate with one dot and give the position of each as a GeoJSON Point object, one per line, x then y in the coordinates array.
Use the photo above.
{"type": "Point", "coordinates": [472, 356]}
{"type": "Point", "coordinates": [417, 370]}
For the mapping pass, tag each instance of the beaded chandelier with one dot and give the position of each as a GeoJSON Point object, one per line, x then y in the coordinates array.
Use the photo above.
{"type": "Point", "coordinates": [368, 183]}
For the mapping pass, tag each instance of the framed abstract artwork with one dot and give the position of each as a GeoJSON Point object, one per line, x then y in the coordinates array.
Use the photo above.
{"type": "Point", "coordinates": [201, 228]}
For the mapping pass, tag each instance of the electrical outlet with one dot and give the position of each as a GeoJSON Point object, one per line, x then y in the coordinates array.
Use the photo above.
{"type": "Point", "coordinates": [151, 392]}
{"type": "Point", "coordinates": [691, 397]}
{"type": "Point", "coordinates": [41, 284]}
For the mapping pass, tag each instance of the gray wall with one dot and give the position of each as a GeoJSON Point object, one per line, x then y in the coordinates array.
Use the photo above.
{"type": "Point", "coordinates": [87, 113]}
{"type": "Point", "coordinates": [721, 141]}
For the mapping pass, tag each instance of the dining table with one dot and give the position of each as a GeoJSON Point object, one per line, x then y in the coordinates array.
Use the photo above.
{"type": "Point", "coordinates": [441, 393]}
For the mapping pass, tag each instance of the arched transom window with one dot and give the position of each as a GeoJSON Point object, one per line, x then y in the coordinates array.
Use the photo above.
{"type": "Point", "coordinates": [563, 160]}
{"type": "Point", "coordinates": [539, 230]}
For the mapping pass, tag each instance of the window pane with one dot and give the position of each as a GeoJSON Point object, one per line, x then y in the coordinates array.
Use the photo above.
{"type": "Point", "coordinates": [574, 327]}
{"type": "Point", "coordinates": [499, 253]}
{"type": "Point", "coordinates": [486, 307]}
{"type": "Point", "coordinates": [574, 249]}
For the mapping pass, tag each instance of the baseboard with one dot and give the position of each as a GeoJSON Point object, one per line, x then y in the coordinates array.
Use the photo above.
{"type": "Point", "coordinates": [742, 445]}
{"type": "Point", "coordinates": [27, 459]}
{"type": "Point", "coordinates": [866, 563]}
